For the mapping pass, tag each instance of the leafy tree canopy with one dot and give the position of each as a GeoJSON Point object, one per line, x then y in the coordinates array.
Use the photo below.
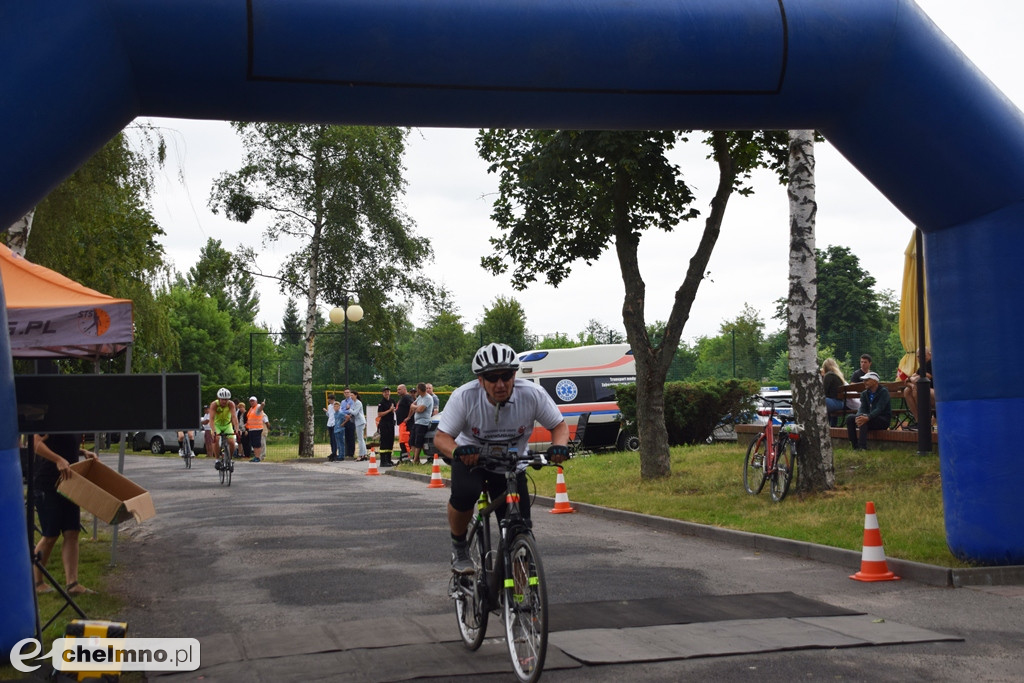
{"type": "Point", "coordinates": [218, 275]}
{"type": "Point", "coordinates": [504, 322]}
{"type": "Point", "coordinates": [96, 228]}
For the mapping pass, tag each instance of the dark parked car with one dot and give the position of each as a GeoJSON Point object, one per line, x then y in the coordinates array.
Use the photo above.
{"type": "Point", "coordinates": [164, 440]}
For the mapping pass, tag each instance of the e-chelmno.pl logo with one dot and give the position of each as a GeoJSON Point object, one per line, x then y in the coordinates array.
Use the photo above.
{"type": "Point", "coordinates": [109, 654]}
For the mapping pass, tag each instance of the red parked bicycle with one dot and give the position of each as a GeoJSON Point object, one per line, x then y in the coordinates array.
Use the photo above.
{"type": "Point", "coordinates": [771, 459]}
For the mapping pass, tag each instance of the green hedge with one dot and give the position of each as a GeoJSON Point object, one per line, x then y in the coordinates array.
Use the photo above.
{"type": "Point", "coordinates": [692, 409]}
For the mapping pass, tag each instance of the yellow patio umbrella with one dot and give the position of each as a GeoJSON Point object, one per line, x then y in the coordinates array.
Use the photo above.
{"type": "Point", "coordinates": [908, 313]}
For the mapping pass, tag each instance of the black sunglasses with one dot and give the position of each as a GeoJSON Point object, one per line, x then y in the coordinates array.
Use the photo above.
{"type": "Point", "coordinates": [493, 377]}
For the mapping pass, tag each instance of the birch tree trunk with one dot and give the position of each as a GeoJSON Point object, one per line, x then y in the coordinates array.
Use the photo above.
{"type": "Point", "coordinates": [815, 469]}
{"type": "Point", "coordinates": [17, 234]}
{"type": "Point", "coordinates": [312, 290]}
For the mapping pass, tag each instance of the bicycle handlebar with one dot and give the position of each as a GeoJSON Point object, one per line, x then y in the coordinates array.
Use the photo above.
{"type": "Point", "coordinates": [500, 457]}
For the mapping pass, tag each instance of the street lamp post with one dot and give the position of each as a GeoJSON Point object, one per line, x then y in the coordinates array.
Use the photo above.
{"type": "Point", "coordinates": [338, 315]}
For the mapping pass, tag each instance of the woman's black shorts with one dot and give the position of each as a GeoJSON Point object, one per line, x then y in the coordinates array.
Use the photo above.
{"type": "Point", "coordinates": [56, 514]}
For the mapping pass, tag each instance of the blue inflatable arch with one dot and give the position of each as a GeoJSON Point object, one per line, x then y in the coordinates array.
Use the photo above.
{"type": "Point", "coordinates": [883, 84]}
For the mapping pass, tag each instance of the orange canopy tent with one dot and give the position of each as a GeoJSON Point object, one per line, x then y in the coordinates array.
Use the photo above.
{"type": "Point", "coordinates": [51, 316]}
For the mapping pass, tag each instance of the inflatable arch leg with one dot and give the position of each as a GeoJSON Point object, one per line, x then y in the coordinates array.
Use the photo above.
{"type": "Point", "coordinates": [18, 617]}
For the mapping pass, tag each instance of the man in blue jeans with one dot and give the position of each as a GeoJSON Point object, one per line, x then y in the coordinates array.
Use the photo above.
{"type": "Point", "coordinates": [875, 412]}
{"type": "Point", "coordinates": [340, 417]}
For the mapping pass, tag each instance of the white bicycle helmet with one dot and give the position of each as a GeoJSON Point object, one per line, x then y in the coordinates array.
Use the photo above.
{"type": "Point", "coordinates": [494, 357]}
{"type": "Point", "coordinates": [223, 393]}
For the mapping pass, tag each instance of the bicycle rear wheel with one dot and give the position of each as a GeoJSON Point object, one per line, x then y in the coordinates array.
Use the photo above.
{"type": "Point", "coordinates": [526, 609]}
{"type": "Point", "coordinates": [753, 466]}
{"type": "Point", "coordinates": [188, 453]}
{"type": "Point", "coordinates": [785, 466]}
{"type": "Point", "coordinates": [470, 593]}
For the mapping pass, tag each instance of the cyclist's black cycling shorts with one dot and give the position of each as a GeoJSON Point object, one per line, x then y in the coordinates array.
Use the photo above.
{"type": "Point", "coordinates": [468, 483]}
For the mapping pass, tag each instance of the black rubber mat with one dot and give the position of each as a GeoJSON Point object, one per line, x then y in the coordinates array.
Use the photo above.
{"type": "Point", "coordinates": [687, 609]}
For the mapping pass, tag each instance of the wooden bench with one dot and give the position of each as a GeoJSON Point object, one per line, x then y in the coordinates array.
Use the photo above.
{"type": "Point", "coordinates": [901, 415]}
{"type": "Point", "coordinates": [879, 439]}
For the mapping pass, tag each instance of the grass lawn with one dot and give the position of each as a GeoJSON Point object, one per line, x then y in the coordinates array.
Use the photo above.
{"type": "Point", "coordinates": [706, 487]}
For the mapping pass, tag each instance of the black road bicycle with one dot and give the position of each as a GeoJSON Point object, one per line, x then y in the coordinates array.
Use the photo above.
{"type": "Point", "coordinates": [225, 467]}
{"type": "Point", "coordinates": [509, 577]}
{"type": "Point", "coordinates": [186, 451]}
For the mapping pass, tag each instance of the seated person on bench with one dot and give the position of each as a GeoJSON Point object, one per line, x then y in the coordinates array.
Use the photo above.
{"type": "Point", "coordinates": [833, 381]}
{"type": "Point", "coordinates": [875, 412]}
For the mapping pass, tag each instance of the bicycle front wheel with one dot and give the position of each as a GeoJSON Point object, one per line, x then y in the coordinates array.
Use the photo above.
{"type": "Point", "coordinates": [785, 465]}
{"type": "Point", "coordinates": [228, 467]}
{"type": "Point", "coordinates": [526, 609]}
{"type": "Point", "coordinates": [469, 593]}
{"type": "Point", "coordinates": [753, 466]}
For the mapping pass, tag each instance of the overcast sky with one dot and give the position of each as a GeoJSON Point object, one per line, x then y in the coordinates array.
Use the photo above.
{"type": "Point", "coordinates": [450, 196]}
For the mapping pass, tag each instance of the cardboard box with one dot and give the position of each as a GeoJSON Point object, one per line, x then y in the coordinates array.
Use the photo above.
{"type": "Point", "coordinates": [108, 495]}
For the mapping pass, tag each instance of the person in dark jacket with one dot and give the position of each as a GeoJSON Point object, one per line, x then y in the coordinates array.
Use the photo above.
{"type": "Point", "coordinates": [875, 412]}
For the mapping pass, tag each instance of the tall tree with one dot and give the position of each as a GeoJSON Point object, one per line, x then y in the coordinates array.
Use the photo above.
{"type": "Point", "coordinates": [815, 454]}
{"type": "Point", "coordinates": [597, 332]}
{"type": "Point", "coordinates": [568, 195]}
{"type": "Point", "coordinates": [847, 300]}
{"type": "Point", "coordinates": [737, 351]}
{"type": "Point", "coordinates": [440, 351]}
{"type": "Point", "coordinates": [201, 329]}
{"type": "Point", "coordinates": [505, 322]}
{"type": "Point", "coordinates": [335, 190]}
{"type": "Point", "coordinates": [96, 228]}
{"type": "Point", "coordinates": [291, 326]}
{"type": "Point", "coordinates": [217, 274]}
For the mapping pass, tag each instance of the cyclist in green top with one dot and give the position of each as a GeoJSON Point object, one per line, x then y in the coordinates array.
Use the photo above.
{"type": "Point", "coordinates": [224, 418]}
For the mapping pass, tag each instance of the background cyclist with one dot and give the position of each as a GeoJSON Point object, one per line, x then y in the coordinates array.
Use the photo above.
{"type": "Point", "coordinates": [495, 407]}
{"type": "Point", "coordinates": [224, 417]}
{"type": "Point", "coordinates": [191, 442]}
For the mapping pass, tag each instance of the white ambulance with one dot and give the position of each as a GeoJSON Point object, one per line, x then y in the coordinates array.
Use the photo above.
{"type": "Point", "coordinates": [582, 380]}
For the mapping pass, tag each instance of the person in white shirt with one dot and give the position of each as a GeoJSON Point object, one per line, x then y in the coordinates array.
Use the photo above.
{"type": "Point", "coordinates": [493, 408]}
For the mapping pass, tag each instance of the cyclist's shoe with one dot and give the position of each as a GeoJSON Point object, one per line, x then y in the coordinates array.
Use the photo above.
{"type": "Point", "coordinates": [217, 465]}
{"type": "Point", "coordinates": [461, 564]}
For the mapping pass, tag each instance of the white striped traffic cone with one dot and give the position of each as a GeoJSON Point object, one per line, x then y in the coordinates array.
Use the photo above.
{"type": "Point", "coordinates": [873, 566]}
{"type": "Point", "coordinates": [561, 496]}
{"type": "Point", "coordinates": [436, 482]}
{"type": "Point", "coordinates": [371, 468]}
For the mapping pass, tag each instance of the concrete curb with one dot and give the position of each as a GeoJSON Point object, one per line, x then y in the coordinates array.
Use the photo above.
{"type": "Point", "coordinates": [927, 574]}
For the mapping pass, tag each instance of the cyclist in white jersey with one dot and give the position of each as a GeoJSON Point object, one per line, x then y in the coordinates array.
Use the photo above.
{"type": "Point", "coordinates": [496, 407]}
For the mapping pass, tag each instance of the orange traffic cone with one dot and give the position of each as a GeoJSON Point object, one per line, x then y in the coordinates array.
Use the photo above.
{"type": "Point", "coordinates": [872, 565]}
{"type": "Point", "coordinates": [371, 469]}
{"type": "Point", "coordinates": [561, 496]}
{"type": "Point", "coordinates": [435, 474]}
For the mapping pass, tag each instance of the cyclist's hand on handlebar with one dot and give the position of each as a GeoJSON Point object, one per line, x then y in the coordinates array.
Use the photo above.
{"type": "Point", "coordinates": [558, 454]}
{"type": "Point", "coordinates": [467, 454]}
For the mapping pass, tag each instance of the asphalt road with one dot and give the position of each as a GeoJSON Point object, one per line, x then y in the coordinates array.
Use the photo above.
{"type": "Point", "coordinates": [294, 547]}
